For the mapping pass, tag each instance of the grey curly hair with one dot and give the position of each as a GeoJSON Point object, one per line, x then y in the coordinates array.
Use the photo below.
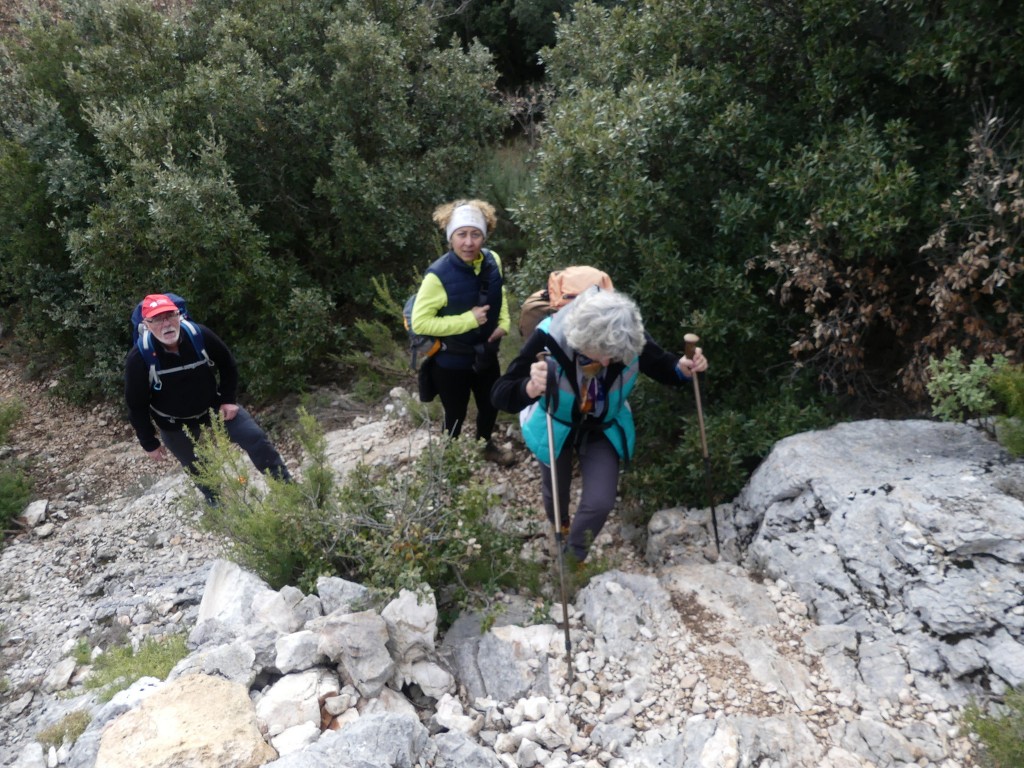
{"type": "Point", "coordinates": [605, 323]}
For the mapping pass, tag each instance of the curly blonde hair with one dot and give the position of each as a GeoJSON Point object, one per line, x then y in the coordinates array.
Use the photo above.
{"type": "Point", "coordinates": [443, 213]}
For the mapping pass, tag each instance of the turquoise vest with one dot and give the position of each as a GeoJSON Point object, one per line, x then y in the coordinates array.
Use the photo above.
{"type": "Point", "coordinates": [617, 421]}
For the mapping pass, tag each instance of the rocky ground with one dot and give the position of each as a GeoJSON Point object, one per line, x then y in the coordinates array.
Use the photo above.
{"type": "Point", "coordinates": [87, 464]}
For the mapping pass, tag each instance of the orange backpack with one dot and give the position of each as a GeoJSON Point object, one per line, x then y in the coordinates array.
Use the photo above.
{"type": "Point", "coordinates": [564, 285]}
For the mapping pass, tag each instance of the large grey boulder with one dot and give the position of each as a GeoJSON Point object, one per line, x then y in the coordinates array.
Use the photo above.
{"type": "Point", "coordinates": [911, 534]}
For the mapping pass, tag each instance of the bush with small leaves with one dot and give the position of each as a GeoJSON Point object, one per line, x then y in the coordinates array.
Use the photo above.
{"type": "Point", "coordinates": [388, 530]}
{"type": "Point", "coordinates": [960, 391]}
{"type": "Point", "coordinates": [1001, 731]}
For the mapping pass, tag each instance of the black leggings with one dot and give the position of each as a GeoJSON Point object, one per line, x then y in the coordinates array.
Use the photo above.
{"type": "Point", "coordinates": [454, 385]}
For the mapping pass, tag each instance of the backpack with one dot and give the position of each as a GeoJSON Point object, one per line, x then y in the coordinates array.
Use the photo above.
{"type": "Point", "coordinates": [142, 338]}
{"type": "Point", "coordinates": [427, 346]}
{"type": "Point", "coordinates": [564, 285]}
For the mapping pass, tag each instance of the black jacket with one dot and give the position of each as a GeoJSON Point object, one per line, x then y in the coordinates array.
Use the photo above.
{"type": "Point", "coordinates": [186, 396]}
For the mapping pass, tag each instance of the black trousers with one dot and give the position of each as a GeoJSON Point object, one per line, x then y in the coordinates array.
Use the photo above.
{"type": "Point", "coordinates": [455, 385]}
{"type": "Point", "coordinates": [243, 432]}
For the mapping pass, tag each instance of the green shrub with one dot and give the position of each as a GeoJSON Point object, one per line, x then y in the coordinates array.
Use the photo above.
{"type": "Point", "coordinates": [15, 493]}
{"type": "Point", "coordinates": [1008, 386]}
{"type": "Point", "coordinates": [382, 359]}
{"type": "Point", "coordinates": [385, 529]}
{"type": "Point", "coordinates": [1001, 731]}
{"type": "Point", "coordinates": [116, 669]}
{"type": "Point", "coordinates": [66, 730]}
{"type": "Point", "coordinates": [10, 413]}
{"type": "Point", "coordinates": [959, 391]}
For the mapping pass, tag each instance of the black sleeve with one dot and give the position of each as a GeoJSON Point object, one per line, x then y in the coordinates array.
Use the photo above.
{"type": "Point", "coordinates": [660, 364]}
{"type": "Point", "coordinates": [227, 368]}
{"type": "Point", "coordinates": [509, 392]}
{"type": "Point", "coordinates": [136, 395]}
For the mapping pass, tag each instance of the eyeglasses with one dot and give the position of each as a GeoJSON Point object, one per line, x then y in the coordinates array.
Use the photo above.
{"type": "Point", "coordinates": [162, 318]}
{"type": "Point", "coordinates": [582, 360]}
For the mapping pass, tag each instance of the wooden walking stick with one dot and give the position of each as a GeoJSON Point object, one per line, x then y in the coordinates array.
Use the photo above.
{"type": "Point", "coordinates": [552, 399]}
{"type": "Point", "coordinates": [690, 341]}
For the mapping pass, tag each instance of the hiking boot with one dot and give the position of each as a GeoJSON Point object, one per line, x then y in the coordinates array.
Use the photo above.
{"type": "Point", "coordinates": [570, 562]}
{"type": "Point", "coordinates": [497, 455]}
{"type": "Point", "coordinates": [561, 536]}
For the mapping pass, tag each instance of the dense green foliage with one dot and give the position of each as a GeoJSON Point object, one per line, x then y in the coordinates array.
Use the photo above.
{"type": "Point", "coordinates": [388, 530]}
{"type": "Point", "coordinates": [694, 144]}
{"type": "Point", "coordinates": [798, 183]}
{"type": "Point", "coordinates": [261, 159]}
{"type": "Point", "coordinates": [513, 30]}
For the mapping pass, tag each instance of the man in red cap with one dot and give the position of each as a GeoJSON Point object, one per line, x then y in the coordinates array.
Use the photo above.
{"type": "Point", "coordinates": [176, 391]}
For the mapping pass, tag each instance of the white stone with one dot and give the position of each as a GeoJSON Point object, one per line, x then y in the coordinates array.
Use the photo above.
{"type": "Point", "coordinates": [35, 512]}
{"type": "Point", "coordinates": [296, 738]}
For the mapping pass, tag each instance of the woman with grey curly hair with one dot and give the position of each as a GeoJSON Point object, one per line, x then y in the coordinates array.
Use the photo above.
{"type": "Point", "coordinates": [590, 353]}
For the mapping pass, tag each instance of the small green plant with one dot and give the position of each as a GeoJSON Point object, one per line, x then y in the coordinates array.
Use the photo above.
{"type": "Point", "coordinates": [382, 359]}
{"type": "Point", "coordinates": [15, 493]}
{"type": "Point", "coordinates": [116, 669]}
{"type": "Point", "coordinates": [10, 413]}
{"type": "Point", "coordinates": [66, 731]}
{"type": "Point", "coordinates": [1001, 731]}
{"type": "Point", "coordinates": [82, 652]}
{"type": "Point", "coordinates": [959, 391]}
{"type": "Point", "coordinates": [1008, 386]}
{"type": "Point", "coordinates": [15, 484]}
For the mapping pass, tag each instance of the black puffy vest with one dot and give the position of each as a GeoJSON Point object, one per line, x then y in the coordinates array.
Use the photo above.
{"type": "Point", "coordinates": [465, 290]}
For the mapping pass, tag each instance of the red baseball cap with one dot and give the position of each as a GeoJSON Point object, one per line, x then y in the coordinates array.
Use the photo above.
{"type": "Point", "coordinates": [157, 304]}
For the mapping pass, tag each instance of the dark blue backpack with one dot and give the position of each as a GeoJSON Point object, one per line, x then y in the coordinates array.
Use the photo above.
{"type": "Point", "coordinates": [142, 338]}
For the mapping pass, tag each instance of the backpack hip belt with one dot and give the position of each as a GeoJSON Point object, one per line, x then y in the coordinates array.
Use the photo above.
{"type": "Point", "coordinates": [176, 419]}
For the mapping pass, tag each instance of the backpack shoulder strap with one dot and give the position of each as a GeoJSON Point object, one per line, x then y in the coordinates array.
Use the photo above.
{"type": "Point", "coordinates": [144, 343]}
{"type": "Point", "coordinates": [196, 337]}
{"type": "Point", "coordinates": [147, 348]}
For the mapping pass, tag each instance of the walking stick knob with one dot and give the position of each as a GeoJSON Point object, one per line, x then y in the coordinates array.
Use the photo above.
{"type": "Point", "coordinates": [690, 341]}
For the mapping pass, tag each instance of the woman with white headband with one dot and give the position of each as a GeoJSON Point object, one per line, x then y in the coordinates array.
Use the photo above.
{"type": "Point", "coordinates": [462, 302]}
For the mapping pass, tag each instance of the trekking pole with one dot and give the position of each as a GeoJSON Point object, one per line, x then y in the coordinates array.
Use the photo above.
{"type": "Point", "coordinates": [689, 348]}
{"type": "Point", "coordinates": [552, 397]}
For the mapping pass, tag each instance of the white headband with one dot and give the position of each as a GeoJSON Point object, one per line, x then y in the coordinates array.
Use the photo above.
{"type": "Point", "coordinates": [466, 216]}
